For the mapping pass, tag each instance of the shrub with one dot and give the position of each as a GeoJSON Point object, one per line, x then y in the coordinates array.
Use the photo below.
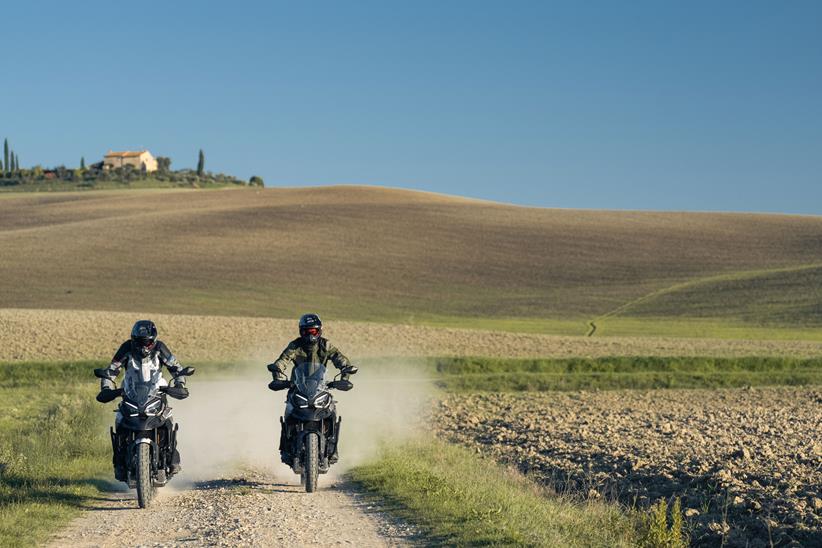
{"type": "Point", "coordinates": [658, 534]}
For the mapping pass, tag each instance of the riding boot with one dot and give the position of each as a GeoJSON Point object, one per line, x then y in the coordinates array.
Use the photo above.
{"type": "Point", "coordinates": [285, 456]}
{"type": "Point", "coordinates": [174, 466]}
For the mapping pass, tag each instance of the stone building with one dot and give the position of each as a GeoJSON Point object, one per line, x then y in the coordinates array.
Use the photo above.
{"type": "Point", "coordinates": [141, 160]}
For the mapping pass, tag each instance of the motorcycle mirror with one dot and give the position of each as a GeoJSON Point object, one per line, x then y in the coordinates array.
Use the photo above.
{"type": "Point", "coordinates": [101, 373]}
{"type": "Point", "coordinates": [350, 369]}
{"type": "Point", "coordinates": [186, 372]}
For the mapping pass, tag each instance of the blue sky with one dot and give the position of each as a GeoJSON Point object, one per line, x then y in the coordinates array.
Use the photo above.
{"type": "Point", "coordinates": [627, 105]}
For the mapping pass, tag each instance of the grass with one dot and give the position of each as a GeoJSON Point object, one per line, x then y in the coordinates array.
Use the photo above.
{"type": "Point", "coordinates": [703, 328]}
{"type": "Point", "coordinates": [54, 449]}
{"type": "Point", "coordinates": [660, 529]}
{"type": "Point", "coordinates": [459, 499]}
{"type": "Point", "coordinates": [784, 296]}
{"type": "Point", "coordinates": [496, 375]}
{"type": "Point", "coordinates": [390, 256]}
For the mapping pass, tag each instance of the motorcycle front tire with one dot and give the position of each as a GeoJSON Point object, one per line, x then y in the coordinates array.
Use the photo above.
{"type": "Point", "coordinates": [145, 490]}
{"type": "Point", "coordinates": [312, 461]}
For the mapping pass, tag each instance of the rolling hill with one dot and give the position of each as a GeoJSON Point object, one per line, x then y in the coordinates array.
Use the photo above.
{"type": "Point", "coordinates": [375, 254]}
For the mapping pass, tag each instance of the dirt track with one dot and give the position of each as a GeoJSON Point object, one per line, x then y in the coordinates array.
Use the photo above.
{"type": "Point", "coordinates": [250, 511]}
{"type": "Point", "coordinates": [28, 335]}
{"type": "Point", "coordinates": [746, 463]}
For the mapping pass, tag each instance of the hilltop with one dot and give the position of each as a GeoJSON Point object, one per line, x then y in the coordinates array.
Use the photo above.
{"type": "Point", "coordinates": [376, 254]}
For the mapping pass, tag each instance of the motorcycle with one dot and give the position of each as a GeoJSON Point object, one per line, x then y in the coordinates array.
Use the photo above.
{"type": "Point", "coordinates": [145, 439]}
{"type": "Point", "coordinates": [311, 428]}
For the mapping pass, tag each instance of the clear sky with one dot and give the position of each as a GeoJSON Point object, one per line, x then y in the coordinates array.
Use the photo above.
{"type": "Point", "coordinates": [631, 105]}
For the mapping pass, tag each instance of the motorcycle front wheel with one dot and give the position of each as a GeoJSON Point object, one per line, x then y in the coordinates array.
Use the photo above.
{"type": "Point", "coordinates": [145, 491]}
{"type": "Point", "coordinates": [312, 462]}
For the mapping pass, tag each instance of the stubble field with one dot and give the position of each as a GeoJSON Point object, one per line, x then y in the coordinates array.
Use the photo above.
{"type": "Point", "coordinates": [29, 335]}
{"type": "Point", "coordinates": [374, 254]}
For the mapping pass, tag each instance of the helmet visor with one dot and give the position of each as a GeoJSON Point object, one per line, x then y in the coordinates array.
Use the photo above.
{"type": "Point", "coordinates": [144, 342]}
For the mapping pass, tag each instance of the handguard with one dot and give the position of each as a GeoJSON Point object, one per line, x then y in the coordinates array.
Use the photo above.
{"type": "Point", "coordinates": [176, 392]}
{"type": "Point", "coordinates": [107, 395]}
{"type": "Point", "coordinates": [279, 385]}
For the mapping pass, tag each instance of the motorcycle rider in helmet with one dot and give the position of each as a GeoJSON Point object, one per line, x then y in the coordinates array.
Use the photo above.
{"type": "Point", "coordinates": [310, 347]}
{"type": "Point", "coordinates": [142, 348]}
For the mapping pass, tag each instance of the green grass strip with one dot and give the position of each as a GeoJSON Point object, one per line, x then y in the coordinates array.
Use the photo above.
{"type": "Point", "coordinates": [457, 498]}
{"type": "Point", "coordinates": [496, 375]}
{"type": "Point", "coordinates": [54, 450]}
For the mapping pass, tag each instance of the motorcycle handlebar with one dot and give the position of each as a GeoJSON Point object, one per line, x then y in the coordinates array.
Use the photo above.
{"type": "Point", "coordinates": [343, 385]}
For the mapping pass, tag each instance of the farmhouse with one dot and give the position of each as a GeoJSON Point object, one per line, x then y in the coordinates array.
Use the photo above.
{"type": "Point", "coordinates": [142, 160]}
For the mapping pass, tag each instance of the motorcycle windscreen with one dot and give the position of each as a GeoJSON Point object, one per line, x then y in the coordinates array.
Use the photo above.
{"type": "Point", "coordinates": [309, 378]}
{"type": "Point", "coordinates": [139, 390]}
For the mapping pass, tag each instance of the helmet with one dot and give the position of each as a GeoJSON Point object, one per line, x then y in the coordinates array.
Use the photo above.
{"type": "Point", "coordinates": [143, 336]}
{"type": "Point", "coordinates": [311, 328]}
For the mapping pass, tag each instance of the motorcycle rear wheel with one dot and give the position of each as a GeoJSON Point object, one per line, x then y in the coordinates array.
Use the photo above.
{"type": "Point", "coordinates": [312, 464]}
{"type": "Point", "coordinates": [145, 490]}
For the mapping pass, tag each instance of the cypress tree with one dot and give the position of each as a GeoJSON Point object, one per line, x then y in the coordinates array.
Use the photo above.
{"type": "Point", "coordinates": [13, 167]}
{"type": "Point", "coordinates": [6, 155]}
{"type": "Point", "coordinates": [82, 162]}
{"type": "Point", "coordinates": [201, 164]}
{"type": "Point", "coordinates": [16, 163]}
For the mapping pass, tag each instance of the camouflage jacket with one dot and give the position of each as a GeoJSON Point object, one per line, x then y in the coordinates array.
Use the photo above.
{"type": "Point", "coordinates": [298, 351]}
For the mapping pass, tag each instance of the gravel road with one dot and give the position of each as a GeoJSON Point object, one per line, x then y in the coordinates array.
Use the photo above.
{"type": "Point", "coordinates": [746, 463]}
{"type": "Point", "coordinates": [253, 510]}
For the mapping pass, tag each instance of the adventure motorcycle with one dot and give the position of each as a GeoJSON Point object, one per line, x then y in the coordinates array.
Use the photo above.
{"type": "Point", "coordinates": [311, 427]}
{"type": "Point", "coordinates": [145, 439]}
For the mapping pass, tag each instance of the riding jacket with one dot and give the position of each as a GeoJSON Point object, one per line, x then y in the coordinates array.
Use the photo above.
{"type": "Point", "coordinates": [159, 356]}
{"type": "Point", "coordinates": [299, 351]}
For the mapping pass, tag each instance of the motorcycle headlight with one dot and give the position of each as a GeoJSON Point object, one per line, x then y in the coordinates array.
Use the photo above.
{"type": "Point", "coordinates": [323, 400]}
{"type": "Point", "coordinates": [300, 401]}
{"type": "Point", "coordinates": [128, 403]}
{"type": "Point", "coordinates": [153, 406]}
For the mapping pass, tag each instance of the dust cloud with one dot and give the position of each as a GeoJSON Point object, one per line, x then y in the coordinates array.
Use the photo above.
{"type": "Point", "coordinates": [232, 422]}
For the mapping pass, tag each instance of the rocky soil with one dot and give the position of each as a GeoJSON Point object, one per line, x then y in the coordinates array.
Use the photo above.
{"type": "Point", "coordinates": [248, 511]}
{"type": "Point", "coordinates": [746, 463]}
{"type": "Point", "coordinates": [51, 334]}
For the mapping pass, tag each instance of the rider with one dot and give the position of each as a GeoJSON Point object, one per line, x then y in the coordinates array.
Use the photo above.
{"type": "Point", "coordinates": [310, 347]}
{"type": "Point", "coordinates": [141, 349]}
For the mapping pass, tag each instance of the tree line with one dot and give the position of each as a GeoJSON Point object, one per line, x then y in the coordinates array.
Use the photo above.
{"type": "Point", "coordinates": [10, 165]}
{"type": "Point", "coordinates": [88, 176]}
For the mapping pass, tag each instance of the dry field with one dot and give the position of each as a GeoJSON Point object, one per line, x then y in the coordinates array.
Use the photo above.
{"type": "Point", "coordinates": [375, 254]}
{"type": "Point", "coordinates": [747, 463]}
{"type": "Point", "coordinates": [31, 335]}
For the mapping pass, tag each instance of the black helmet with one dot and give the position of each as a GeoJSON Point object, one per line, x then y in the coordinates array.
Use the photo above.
{"type": "Point", "coordinates": [143, 336]}
{"type": "Point", "coordinates": [311, 328]}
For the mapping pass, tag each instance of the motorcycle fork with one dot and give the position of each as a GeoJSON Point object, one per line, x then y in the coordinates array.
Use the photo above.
{"type": "Point", "coordinates": [154, 436]}
{"type": "Point", "coordinates": [173, 444]}
{"type": "Point", "coordinates": [334, 438]}
{"type": "Point", "coordinates": [283, 435]}
{"type": "Point", "coordinates": [114, 446]}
